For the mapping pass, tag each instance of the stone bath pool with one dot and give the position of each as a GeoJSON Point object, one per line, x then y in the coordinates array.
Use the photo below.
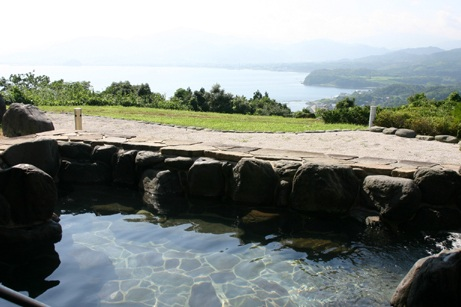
{"type": "Point", "coordinates": [112, 256]}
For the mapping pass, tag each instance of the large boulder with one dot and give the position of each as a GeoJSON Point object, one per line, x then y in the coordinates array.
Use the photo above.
{"type": "Point", "coordinates": [163, 192]}
{"type": "Point", "coordinates": [75, 150]}
{"type": "Point", "coordinates": [432, 281]}
{"type": "Point", "coordinates": [206, 178]}
{"type": "Point", "coordinates": [438, 187]}
{"type": "Point", "coordinates": [254, 182]}
{"type": "Point", "coordinates": [124, 170]}
{"type": "Point", "coordinates": [104, 153]}
{"type": "Point", "coordinates": [42, 153]}
{"type": "Point", "coordinates": [28, 195]}
{"type": "Point", "coordinates": [148, 159]}
{"type": "Point", "coordinates": [397, 199]}
{"type": "Point", "coordinates": [324, 188]}
{"type": "Point", "coordinates": [24, 119]}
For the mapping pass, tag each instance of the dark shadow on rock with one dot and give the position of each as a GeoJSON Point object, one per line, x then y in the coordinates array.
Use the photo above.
{"type": "Point", "coordinates": [25, 269]}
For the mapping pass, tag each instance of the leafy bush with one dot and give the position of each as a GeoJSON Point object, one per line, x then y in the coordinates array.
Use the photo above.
{"type": "Point", "coordinates": [425, 116]}
{"type": "Point", "coordinates": [391, 118]}
{"type": "Point", "coordinates": [354, 115]}
{"type": "Point", "coordinates": [304, 113]}
{"type": "Point", "coordinates": [346, 112]}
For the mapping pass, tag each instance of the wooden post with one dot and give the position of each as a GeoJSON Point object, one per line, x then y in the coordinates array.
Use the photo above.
{"type": "Point", "coordinates": [78, 118]}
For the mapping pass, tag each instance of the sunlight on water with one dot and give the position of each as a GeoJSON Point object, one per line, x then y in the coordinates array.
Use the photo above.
{"type": "Point", "coordinates": [125, 259]}
{"type": "Point", "coordinates": [107, 258]}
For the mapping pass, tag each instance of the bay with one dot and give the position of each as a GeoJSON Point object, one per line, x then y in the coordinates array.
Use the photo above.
{"type": "Point", "coordinates": [285, 87]}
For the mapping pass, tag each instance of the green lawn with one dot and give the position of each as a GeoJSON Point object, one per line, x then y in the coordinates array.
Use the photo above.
{"type": "Point", "coordinates": [216, 121]}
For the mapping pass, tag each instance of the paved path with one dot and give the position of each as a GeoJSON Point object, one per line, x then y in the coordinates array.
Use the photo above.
{"type": "Point", "coordinates": [375, 152]}
{"type": "Point", "coordinates": [356, 143]}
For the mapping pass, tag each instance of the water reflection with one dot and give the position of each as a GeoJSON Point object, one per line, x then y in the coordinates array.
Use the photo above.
{"type": "Point", "coordinates": [236, 257]}
{"type": "Point", "coordinates": [26, 269]}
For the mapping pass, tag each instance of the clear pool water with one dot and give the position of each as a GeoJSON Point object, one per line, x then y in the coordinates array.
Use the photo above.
{"type": "Point", "coordinates": [126, 259]}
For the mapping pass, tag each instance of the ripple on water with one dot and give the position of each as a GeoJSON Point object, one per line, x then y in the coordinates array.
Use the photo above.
{"type": "Point", "coordinates": [185, 263]}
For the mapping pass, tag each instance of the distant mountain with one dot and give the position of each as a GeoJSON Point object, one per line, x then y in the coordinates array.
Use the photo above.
{"type": "Point", "coordinates": [188, 48]}
{"type": "Point", "coordinates": [422, 66]}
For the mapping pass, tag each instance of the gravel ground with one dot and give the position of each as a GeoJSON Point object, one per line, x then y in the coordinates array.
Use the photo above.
{"type": "Point", "coordinates": [357, 143]}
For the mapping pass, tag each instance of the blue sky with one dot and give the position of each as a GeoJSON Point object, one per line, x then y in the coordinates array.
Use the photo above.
{"type": "Point", "coordinates": [32, 24]}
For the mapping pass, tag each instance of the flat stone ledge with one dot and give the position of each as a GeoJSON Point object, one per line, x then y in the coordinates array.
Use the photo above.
{"type": "Point", "coordinates": [403, 172]}
{"type": "Point", "coordinates": [233, 156]}
{"type": "Point", "coordinates": [233, 153]}
{"type": "Point", "coordinates": [152, 146]}
{"type": "Point", "coordinates": [186, 151]}
{"type": "Point", "coordinates": [372, 160]}
{"type": "Point", "coordinates": [417, 164]}
{"type": "Point", "coordinates": [375, 169]}
{"type": "Point", "coordinates": [342, 157]}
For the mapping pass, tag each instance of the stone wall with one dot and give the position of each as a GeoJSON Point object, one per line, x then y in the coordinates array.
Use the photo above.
{"type": "Point", "coordinates": [174, 180]}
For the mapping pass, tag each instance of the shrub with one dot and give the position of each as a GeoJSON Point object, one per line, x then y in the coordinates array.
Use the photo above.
{"type": "Point", "coordinates": [391, 118]}
{"type": "Point", "coordinates": [304, 113]}
{"type": "Point", "coordinates": [352, 115]}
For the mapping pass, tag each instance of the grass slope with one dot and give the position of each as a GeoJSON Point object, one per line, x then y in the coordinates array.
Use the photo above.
{"type": "Point", "coordinates": [208, 120]}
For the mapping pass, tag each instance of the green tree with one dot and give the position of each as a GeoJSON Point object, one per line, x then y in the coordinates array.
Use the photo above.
{"type": "Point", "coordinates": [454, 97]}
{"type": "Point", "coordinates": [345, 103]}
{"type": "Point", "coordinates": [240, 105]}
{"type": "Point", "coordinates": [120, 88]}
{"type": "Point", "coordinates": [418, 100]}
{"type": "Point", "coordinates": [143, 90]}
{"type": "Point", "coordinates": [199, 101]}
{"type": "Point", "coordinates": [219, 101]}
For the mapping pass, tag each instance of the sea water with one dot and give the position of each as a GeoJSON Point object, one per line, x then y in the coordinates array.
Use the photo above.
{"type": "Point", "coordinates": [285, 87]}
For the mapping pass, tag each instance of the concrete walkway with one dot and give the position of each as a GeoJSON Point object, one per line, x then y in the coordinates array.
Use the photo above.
{"type": "Point", "coordinates": [221, 151]}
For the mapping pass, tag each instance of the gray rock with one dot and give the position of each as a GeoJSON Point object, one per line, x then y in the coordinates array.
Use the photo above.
{"type": "Point", "coordinates": [286, 170]}
{"type": "Point", "coordinates": [179, 163]}
{"type": "Point", "coordinates": [163, 192]}
{"type": "Point", "coordinates": [438, 187]}
{"type": "Point", "coordinates": [390, 130]}
{"type": "Point", "coordinates": [104, 153]}
{"type": "Point", "coordinates": [23, 119]}
{"type": "Point", "coordinates": [405, 133]}
{"type": "Point", "coordinates": [146, 159]}
{"type": "Point", "coordinates": [123, 169]}
{"type": "Point", "coordinates": [397, 199]}
{"type": "Point", "coordinates": [447, 139]}
{"type": "Point", "coordinates": [376, 129]}
{"type": "Point", "coordinates": [42, 153]}
{"type": "Point", "coordinates": [75, 150]}
{"type": "Point", "coordinates": [206, 178]}
{"type": "Point", "coordinates": [29, 195]}
{"type": "Point", "coordinates": [324, 188]}
{"type": "Point", "coordinates": [254, 182]}
{"type": "Point", "coordinates": [432, 281]}
{"type": "Point", "coordinates": [425, 137]}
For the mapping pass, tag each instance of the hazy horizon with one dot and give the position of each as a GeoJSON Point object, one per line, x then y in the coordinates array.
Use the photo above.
{"type": "Point", "coordinates": [239, 31]}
